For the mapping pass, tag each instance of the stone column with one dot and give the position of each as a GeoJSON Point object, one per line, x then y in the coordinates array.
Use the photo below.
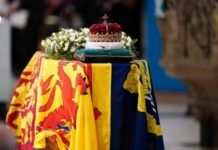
{"type": "Point", "coordinates": [190, 38]}
{"type": "Point", "coordinates": [5, 60]}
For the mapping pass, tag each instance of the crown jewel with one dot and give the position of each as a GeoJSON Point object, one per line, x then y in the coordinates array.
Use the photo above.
{"type": "Point", "coordinates": [105, 32]}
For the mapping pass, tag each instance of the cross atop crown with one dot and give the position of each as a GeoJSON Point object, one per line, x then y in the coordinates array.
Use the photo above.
{"type": "Point", "coordinates": [105, 18]}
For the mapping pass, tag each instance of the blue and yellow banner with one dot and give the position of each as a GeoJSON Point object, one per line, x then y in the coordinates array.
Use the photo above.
{"type": "Point", "coordinates": [72, 105]}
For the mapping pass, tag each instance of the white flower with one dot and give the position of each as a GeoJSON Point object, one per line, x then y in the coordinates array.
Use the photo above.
{"type": "Point", "coordinates": [129, 38]}
{"type": "Point", "coordinates": [61, 37]}
{"type": "Point", "coordinates": [85, 30]}
{"type": "Point", "coordinates": [48, 41]}
{"type": "Point", "coordinates": [56, 48]}
{"type": "Point", "coordinates": [65, 49]}
{"type": "Point", "coordinates": [73, 49]}
{"type": "Point", "coordinates": [87, 38]}
{"type": "Point", "coordinates": [53, 43]}
{"type": "Point", "coordinates": [128, 44]}
{"type": "Point", "coordinates": [79, 38]}
{"type": "Point", "coordinates": [61, 41]}
{"type": "Point", "coordinates": [66, 46]}
{"type": "Point", "coordinates": [72, 38]}
{"type": "Point", "coordinates": [43, 43]}
{"type": "Point", "coordinates": [65, 38]}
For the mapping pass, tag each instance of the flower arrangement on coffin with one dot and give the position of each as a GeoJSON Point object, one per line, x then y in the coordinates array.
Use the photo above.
{"type": "Point", "coordinates": [63, 44]}
{"type": "Point", "coordinates": [129, 43]}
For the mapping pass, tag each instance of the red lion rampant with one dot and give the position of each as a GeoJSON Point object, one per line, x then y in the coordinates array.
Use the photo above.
{"type": "Point", "coordinates": [67, 112]}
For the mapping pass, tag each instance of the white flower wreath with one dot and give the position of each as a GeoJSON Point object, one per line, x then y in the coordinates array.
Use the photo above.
{"type": "Point", "coordinates": [63, 44]}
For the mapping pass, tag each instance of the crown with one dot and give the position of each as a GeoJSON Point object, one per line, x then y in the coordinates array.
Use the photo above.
{"type": "Point", "coordinates": [105, 32]}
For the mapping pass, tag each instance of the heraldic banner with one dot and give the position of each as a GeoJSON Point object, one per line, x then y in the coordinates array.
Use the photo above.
{"type": "Point", "coordinates": [78, 106]}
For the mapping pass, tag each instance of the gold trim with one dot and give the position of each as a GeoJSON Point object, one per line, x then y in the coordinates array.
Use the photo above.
{"type": "Point", "coordinates": [113, 37]}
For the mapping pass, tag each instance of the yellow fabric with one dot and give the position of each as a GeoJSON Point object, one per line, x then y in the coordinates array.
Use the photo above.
{"type": "Point", "coordinates": [40, 141]}
{"type": "Point", "coordinates": [23, 87]}
{"type": "Point", "coordinates": [86, 138]}
{"type": "Point", "coordinates": [52, 83]}
{"type": "Point", "coordinates": [53, 100]}
{"type": "Point", "coordinates": [139, 69]}
{"type": "Point", "coordinates": [101, 96]}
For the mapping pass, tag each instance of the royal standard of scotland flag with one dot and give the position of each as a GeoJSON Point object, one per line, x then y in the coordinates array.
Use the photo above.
{"type": "Point", "coordinates": [78, 106]}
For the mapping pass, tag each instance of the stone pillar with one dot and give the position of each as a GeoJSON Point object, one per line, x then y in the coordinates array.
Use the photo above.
{"type": "Point", "coordinates": [5, 61]}
{"type": "Point", "coordinates": [190, 38]}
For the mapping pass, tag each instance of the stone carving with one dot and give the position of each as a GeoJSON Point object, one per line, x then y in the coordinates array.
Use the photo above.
{"type": "Point", "coordinates": [190, 53]}
{"type": "Point", "coordinates": [193, 28]}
